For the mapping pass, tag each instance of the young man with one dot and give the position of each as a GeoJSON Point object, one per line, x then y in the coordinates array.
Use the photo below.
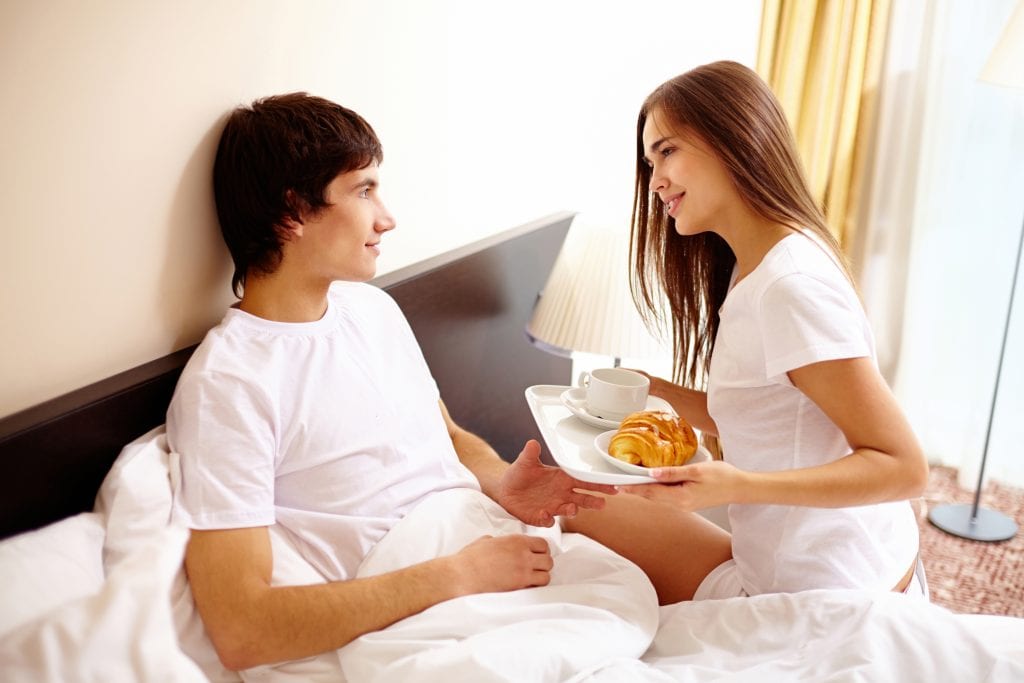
{"type": "Point", "coordinates": [311, 407]}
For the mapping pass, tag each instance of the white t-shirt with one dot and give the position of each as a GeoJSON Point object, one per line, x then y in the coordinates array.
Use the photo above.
{"type": "Point", "coordinates": [331, 429]}
{"type": "Point", "coordinates": [794, 309]}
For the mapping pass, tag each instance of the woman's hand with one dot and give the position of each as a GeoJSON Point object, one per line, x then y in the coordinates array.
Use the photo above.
{"type": "Point", "coordinates": [691, 404]}
{"type": "Point", "coordinates": [657, 384]}
{"type": "Point", "coordinates": [536, 493]}
{"type": "Point", "coordinates": [693, 487]}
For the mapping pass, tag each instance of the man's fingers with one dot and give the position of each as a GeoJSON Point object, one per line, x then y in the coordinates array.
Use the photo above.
{"type": "Point", "coordinates": [540, 578]}
{"type": "Point", "coordinates": [537, 544]}
{"type": "Point", "coordinates": [588, 502]}
{"type": "Point", "coordinates": [567, 509]}
{"type": "Point", "coordinates": [594, 488]}
{"type": "Point", "coordinates": [531, 451]}
{"type": "Point", "coordinates": [642, 490]}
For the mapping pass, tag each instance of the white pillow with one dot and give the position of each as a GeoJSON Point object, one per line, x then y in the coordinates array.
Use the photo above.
{"type": "Point", "coordinates": [49, 567]}
{"type": "Point", "coordinates": [135, 502]}
{"type": "Point", "coordinates": [125, 632]}
{"type": "Point", "coordinates": [135, 496]}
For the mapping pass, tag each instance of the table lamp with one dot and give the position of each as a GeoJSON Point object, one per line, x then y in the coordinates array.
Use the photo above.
{"type": "Point", "coordinates": [586, 305]}
{"type": "Point", "coordinates": [1005, 67]}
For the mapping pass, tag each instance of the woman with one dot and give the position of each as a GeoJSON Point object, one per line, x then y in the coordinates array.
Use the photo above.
{"type": "Point", "coordinates": [819, 460]}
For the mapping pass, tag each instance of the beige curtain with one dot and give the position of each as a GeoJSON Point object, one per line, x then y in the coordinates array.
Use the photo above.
{"type": "Point", "coordinates": [823, 59]}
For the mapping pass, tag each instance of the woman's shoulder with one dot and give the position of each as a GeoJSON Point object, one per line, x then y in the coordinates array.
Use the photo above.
{"type": "Point", "coordinates": [798, 267]}
{"type": "Point", "coordinates": [803, 254]}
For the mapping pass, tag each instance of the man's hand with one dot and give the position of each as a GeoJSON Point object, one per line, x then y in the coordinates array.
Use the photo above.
{"type": "Point", "coordinates": [504, 563]}
{"type": "Point", "coordinates": [536, 493]}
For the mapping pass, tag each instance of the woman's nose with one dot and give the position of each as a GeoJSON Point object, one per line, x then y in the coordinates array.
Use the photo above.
{"type": "Point", "coordinates": [657, 181]}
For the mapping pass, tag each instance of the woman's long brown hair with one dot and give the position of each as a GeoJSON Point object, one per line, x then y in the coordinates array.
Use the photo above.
{"type": "Point", "coordinates": [731, 109]}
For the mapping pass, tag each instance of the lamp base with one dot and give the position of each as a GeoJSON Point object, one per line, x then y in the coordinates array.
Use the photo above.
{"type": "Point", "coordinates": [986, 525]}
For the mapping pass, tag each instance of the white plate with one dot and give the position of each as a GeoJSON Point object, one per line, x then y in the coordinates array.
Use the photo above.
{"type": "Point", "coordinates": [601, 446]}
{"type": "Point", "coordinates": [574, 398]}
{"type": "Point", "coordinates": [571, 441]}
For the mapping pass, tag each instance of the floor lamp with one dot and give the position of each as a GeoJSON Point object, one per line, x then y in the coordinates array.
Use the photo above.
{"type": "Point", "coordinates": [1004, 67]}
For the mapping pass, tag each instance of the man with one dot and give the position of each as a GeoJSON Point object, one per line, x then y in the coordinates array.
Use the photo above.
{"type": "Point", "coordinates": [311, 407]}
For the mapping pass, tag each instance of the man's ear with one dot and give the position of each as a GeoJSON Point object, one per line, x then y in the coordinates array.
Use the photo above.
{"type": "Point", "coordinates": [293, 223]}
{"type": "Point", "coordinates": [292, 227]}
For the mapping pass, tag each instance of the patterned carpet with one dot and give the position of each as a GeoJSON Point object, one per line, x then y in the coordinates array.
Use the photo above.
{"type": "Point", "coordinates": [973, 577]}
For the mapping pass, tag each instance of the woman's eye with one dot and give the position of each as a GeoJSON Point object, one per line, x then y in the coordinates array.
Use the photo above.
{"type": "Point", "coordinates": [666, 151]}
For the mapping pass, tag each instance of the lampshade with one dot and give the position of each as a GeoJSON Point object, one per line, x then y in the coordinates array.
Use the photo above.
{"type": "Point", "coordinates": [1005, 65]}
{"type": "Point", "coordinates": [586, 304]}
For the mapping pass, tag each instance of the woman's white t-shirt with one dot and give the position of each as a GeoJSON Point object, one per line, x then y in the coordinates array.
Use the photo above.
{"type": "Point", "coordinates": [797, 308]}
{"type": "Point", "coordinates": [331, 429]}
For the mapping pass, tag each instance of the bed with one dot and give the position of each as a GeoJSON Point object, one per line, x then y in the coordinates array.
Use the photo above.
{"type": "Point", "coordinates": [93, 587]}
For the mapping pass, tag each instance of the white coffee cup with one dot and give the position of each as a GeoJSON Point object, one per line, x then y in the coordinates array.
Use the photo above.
{"type": "Point", "coordinates": [614, 393]}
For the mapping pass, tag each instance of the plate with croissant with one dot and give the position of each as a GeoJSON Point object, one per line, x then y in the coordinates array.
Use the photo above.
{"type": "Point", "coordinates": [571, 441]}
{"type": "Point", "coordinates": [650, 439]}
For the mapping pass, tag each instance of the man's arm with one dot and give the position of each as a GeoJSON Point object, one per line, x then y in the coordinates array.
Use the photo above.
{"type": "Point", "coordinates": [528, 489]}
{"type": "Point", "coordinates": [477, 455]}
{"type": "Point", "coordinates": [251, 623]}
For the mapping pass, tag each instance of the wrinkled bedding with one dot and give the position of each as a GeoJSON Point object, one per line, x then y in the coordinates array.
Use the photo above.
{"type": "Point", "coordinates": [103, 596]}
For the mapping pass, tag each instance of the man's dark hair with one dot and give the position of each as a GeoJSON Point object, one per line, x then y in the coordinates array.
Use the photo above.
{"type": "Point", "coordinates": [274, 162]}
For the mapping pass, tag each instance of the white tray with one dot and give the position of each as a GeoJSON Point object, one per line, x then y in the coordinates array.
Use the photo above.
{"type": "Point", "coordinates": [571, 441]}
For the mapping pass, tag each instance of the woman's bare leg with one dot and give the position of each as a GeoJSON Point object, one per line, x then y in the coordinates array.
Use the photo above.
{"type": "Point", "coordinates": [676, 549]}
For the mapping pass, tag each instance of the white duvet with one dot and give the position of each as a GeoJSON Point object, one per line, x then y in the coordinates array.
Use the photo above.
{"type": "Point", "coordinates": [597, 621]}
{"type": "Point", "coordinates": [598, 607]}
{"type": "Point", "coordinates": [823, 636]}
{"type": "Point", "coordinates": [67, 618]}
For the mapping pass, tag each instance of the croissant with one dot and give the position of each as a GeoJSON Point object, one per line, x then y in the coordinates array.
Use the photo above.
{"type": "Point", "coordinates": [653, 439]}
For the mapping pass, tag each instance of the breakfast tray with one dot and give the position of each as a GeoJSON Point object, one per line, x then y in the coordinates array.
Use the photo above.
{"type": "Point", "coordinates": [571, 442]}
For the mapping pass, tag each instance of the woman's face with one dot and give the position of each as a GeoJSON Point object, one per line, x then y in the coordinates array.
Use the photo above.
{"type": "Point", "coordinates": [688, 177]}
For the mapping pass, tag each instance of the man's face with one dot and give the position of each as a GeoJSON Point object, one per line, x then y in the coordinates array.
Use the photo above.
{"type": "Point", "coordinates": [341, 241]}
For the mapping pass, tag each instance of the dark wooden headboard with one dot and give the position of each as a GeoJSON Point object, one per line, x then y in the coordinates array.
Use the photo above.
{"type": "Point", "coordinates": [468, 308]}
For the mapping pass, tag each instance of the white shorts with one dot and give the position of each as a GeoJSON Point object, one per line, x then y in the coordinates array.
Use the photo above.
{"type": "Point", "coordinates": [724, 582]}
{"type": "Point", "coordinates": [721, 582]}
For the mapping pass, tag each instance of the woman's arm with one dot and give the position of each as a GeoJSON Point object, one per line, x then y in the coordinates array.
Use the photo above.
{"type": "Point", "coordinates": [886, 462]}
{"type": "Point", "coordinates": [691, 404]}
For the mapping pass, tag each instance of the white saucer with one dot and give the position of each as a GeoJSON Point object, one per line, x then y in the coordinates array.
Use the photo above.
{"type": "Point", "coordinates": [601, 444]}
{"type": "Point", "coordinates": [574, 398]}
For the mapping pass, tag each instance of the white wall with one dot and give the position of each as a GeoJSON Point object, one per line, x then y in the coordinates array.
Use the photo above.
{"type": "Point", "coordinates": [491, 114]}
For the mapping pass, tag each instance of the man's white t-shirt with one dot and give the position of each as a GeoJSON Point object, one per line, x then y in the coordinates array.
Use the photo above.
{"type": "Point", "coordinates": [331, 429]}
{"type": "Point", "coordinates": [797, 308]}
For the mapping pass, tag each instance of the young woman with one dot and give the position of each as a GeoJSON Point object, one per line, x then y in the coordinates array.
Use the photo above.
{"type": "Point", "coordinates": [774, 356]}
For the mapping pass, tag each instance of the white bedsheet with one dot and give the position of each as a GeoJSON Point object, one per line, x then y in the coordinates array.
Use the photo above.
{"type": "Point", "coordinates": [824, 636]}
{"type": "Point", "coordinates": [597, 622]}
